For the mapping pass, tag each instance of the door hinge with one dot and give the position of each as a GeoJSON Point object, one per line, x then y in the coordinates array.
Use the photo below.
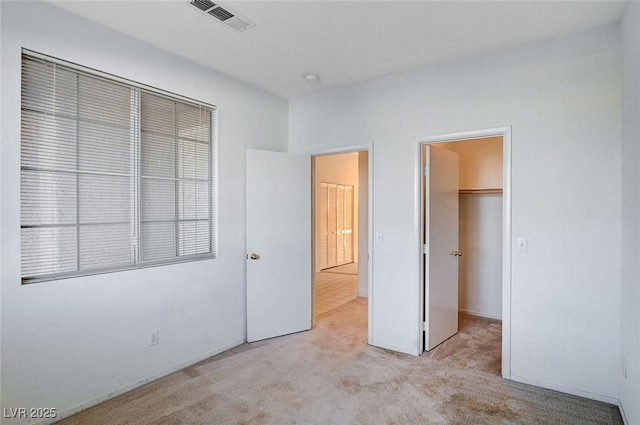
{"type": "Point", "coordinates": [424, 326]}
{"type": "Point", "coordinates": [425, 248]}
{"type": "Point", "coordinates": [426, 171]}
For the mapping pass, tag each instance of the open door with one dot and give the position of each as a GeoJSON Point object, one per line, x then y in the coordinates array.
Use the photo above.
{"type": "Point", "coordinates": [278, 244]}
{"type": "Point", "coordinates": [441, 245]}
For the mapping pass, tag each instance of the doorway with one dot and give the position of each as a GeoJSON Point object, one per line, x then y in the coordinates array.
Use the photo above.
{"type": "Point", "coordinates": [340, 231]}
{"type": "Point", "coordinates": [465, 268]}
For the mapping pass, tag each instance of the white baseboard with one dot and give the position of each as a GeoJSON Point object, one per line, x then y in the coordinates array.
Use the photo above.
{"type": "Point", "coordinates": [480, 314]}
{"type": "Point", "coordinates": [127, 388]}
{"type": "Point", "coordinates": [565, 389]}
{"type": "Point", "coordinates": [624, 417]}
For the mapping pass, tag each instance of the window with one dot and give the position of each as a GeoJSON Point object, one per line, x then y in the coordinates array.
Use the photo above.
{"type": "Point", "coordinates": [114, 175]}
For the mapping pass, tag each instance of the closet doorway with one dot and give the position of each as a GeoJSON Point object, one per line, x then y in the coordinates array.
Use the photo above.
{"type": "Point", "coordinates": [465, 266]}
{"type": "Point", "coordinates": [340, 243]}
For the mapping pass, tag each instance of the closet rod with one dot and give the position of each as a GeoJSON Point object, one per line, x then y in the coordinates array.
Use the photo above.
{"type": "Point", "coordinates": [480, 191]}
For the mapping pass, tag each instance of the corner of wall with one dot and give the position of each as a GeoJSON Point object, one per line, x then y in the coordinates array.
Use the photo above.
{"type": "Point", "coordinates": [630, 296]}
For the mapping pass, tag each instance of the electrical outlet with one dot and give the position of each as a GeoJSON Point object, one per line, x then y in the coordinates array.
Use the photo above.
{"type": "Point", "coordinates": [154, 338]}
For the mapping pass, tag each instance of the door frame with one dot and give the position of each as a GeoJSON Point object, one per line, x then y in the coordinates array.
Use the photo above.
{"type": "Point", "coordinates": [367, 147]}
{"type": "Point", "coordinates": [505, 133]}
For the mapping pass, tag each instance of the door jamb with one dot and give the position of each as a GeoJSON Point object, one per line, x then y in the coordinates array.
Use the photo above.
{"type": "Point", "coordinates": [505, 132]}
{"type": "Point", "coordinates": [368, 147]}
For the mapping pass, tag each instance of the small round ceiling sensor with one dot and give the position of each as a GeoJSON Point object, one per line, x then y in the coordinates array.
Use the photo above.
{"type": "Point", "coordinates": [311, 77]}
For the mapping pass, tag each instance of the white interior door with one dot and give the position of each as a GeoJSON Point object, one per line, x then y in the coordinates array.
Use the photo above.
{"type": "Point", "coordinates": [441, 240]}
{"type": "Point", "coordinates": [278, 244]}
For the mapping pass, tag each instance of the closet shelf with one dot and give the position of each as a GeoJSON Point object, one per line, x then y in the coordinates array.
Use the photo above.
{"type": "Point", "coordinates": [480, 191]}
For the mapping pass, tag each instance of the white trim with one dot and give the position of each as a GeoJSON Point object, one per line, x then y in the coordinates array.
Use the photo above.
{"type": "Point", "coordinates": [624, 417]}
{"type": "Point", "coordinates": [313, 243]}
{"type": "Point", "coordinates": [506, 253]}
{"type": "Point", "coordinates": [460, 136]}
{"type": "Point", "coordinates": [367, 147]}
{"type": "Point", "coordinates": [125, 389]}
{"type": "Point", "coordinates": [342, 149]}
{"type": "Point", "coordinates": [565, 389]}
{"type": "Point", "coordinates": [479, 314]}
{"type": "Point", "coordinates": [505, 132]}
{"type": "Point", "coordinates": [418, 224]}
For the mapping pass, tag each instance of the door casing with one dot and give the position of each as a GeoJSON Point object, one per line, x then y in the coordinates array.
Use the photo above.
{"type": "Point", "coordinates": [505, 133]}
{"type": "Point", "coordinates": [334, 151]}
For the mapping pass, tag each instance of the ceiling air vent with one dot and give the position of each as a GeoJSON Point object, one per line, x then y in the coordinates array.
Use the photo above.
{"type": "Point", "coordinates": [222, 14]}
{"type": "Point", "coordinates": [239, 24]}
{"type": "Point", "coordinates": [203, 5]}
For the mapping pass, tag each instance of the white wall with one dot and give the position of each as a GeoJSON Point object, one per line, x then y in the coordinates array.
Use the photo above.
{"type": "Point", "coordinates": [69, 342]}
{"type": "Point", "coordinates": [563, 100]}
{"type": "Point", "coordinates": [630, 394]}
{"type": "Point", "coordinates": [337, 169]}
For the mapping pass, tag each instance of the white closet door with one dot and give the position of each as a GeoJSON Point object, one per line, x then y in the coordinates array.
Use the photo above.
{"type": "Point", "coordinates": [348, 224]}
{"type": "Point", "coordinates": [340, 224]}
{"type": "Point", "coordinates": [332, 225]}
{"type": "Point", "coordinates": [336, 224]}
{"type": "Point", "coordinates": [442, 255]}
{"type": "Point", "coordinates": [323, 219]}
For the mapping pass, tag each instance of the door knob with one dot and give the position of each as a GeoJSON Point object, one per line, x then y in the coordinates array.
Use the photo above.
{"type": "Point", "coordinates": [254, 256]}
{"type": "Point", "coordinates": [456, 253]}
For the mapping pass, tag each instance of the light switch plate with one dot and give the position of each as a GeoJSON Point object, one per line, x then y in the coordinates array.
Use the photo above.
{"type": "Point", "coordinates": [521, 244]}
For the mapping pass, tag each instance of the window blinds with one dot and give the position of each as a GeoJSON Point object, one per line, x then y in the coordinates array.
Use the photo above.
{"type": "Point", "coordinates": [112, 176]}
{"type": "Point", "coordinates": [175, 178]}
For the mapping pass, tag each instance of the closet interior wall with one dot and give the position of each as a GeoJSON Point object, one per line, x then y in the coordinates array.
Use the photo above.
{"type": "Point", "coordinates": [480, 231]}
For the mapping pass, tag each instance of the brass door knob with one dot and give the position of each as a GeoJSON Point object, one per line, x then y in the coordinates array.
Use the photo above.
{"type": "Point", "coordinates": [254, 256]}
{"type": "Point", "coordinates": [456, 253]}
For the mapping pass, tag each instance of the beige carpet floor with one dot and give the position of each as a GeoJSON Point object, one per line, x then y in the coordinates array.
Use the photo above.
{"type": "Point", "coordinates": [477, 345]}
{"type": "Point", "coordinates": [330, 376]}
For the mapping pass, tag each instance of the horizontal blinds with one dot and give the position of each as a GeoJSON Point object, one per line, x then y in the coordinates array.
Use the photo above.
{"type": "Point", "coordinates": [76, 171]}
{"type": "Point", "coordinates": [175, 179]}
{"type": "Point", "coordinates": [111, 175]}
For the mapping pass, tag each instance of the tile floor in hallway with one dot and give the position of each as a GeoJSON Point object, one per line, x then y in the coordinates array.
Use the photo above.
{"type": "Point", "coordinates": [334, 290]}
